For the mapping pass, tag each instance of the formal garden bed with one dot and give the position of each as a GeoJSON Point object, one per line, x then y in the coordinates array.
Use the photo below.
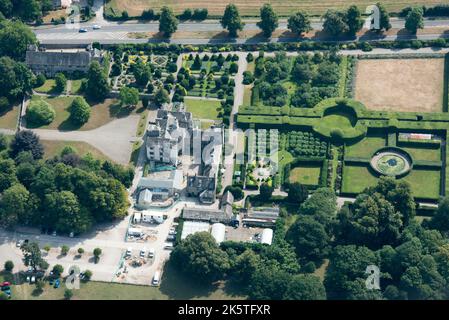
{"type": "Point", "coordinates": [143, 70]}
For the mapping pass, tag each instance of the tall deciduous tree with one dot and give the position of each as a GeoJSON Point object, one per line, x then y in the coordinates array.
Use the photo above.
{"type": "Point", "coordinates": [305, 287]}
{"type": "Point", "coordinates": [334, 23]}
{"type": "Point", "coordinates": [384, 17]}
{"type": "Point", "coordinates": [16, 79]}
{"type": "Point", "coordinates": [354, 20]}
{"type": "Point", "coordinates": [14, 204]}
{"type": "Point", "coordinates": [200, 257]}
{"type": "Point", "coordinates": [414, 20]}
{"type": "Point", "coordinates": [297, 193]}
{"type": "Point", "coordinates": [299, 23]}
{"type": "Point", "coordinates": [32, 255]}
{"type": "Point", "coordinates": [168, 24]}
{"type": "Point", "coordinates": [129, 96]}
{"type": "Point", "coordinates": [268, 20]}
{"type": "Point", "coordinates": [231, 20]}
{"type": "Point", "coordinates": [15, 37]}
{"type": "Point", "coordinates": [97, 82]}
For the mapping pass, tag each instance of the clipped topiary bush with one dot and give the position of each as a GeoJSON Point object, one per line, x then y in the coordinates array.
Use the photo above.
{"type": "Point", "coordinates": [40, 113]}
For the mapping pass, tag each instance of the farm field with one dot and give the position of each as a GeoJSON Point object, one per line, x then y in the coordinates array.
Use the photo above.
{"type": "Point", "coordinates": [251, 7]}
{"type": "Point", "coordinates": [384, 84]}
{"type": "Point", "coordinates": [203, 109]}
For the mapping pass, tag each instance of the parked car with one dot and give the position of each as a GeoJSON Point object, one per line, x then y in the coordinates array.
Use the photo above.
{"type": "Point", "coordinates": [96, 27]}
{"type": "Point", "coordinates": [171, 237]}
{"type": "Point", "coordinates": [156, 276]}
{"type": "Point", "coordinates": [151, 253]}
{"type": "Point", "coordinates": [5, 284]}
{"type": "Point", "coordinates": [169, 246]}
{"type": "Point", "coordinates": [57, 283]}
{"type": "Point", "coordinates": [54, 234]}
{"type": "Point", "coordinates": [129, 251]}
{"type": "Point", "coordinates": [143, 252]}
{"type": "Point", "coordinates": [33, 279]}
{"type": "Point", "coordinates": [19, 243]}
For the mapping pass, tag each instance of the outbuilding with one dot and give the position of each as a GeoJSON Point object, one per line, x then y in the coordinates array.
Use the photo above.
{"type": "Point", "coordinates": [267, 236]}
{"type": "Point", "coordinates": [218, 232]}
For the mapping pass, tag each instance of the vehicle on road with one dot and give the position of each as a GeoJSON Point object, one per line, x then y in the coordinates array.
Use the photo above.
{"type": "Point", "coordinates": [155, 281]}
{"type": "Point", "coordinates": [96, 27]}
{"type": "Point", "coordinates": [54, 234]}
{"type": "Point", "coordinates": [82, 30]}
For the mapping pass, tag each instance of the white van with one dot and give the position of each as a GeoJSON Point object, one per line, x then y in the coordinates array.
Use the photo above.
{"type": "Point", "coordinates": [129, 252]}
{"type": "Point", "coordinates": [156, 276]}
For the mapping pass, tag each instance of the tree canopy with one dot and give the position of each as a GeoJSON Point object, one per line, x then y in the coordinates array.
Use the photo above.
{"type": "Point", "coordinates": [168, 24]}
{"type": "Point", "coordinates": [268, 20]}
{"type": "Point", "coordinates": [231, 20]}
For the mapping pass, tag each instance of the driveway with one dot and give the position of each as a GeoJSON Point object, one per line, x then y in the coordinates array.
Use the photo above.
{"type": "Point", "coordinates": [114, 139]}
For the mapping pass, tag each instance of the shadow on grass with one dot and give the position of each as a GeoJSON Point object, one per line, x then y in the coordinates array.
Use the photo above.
{"type": "Point", "coordinates": [178, 286]}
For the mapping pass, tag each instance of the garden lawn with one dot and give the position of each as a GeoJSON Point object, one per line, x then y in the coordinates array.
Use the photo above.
{"type": "Point", "coordinates": [8, 119]}
{"type": "Point", "coordinates": [429, 154]}
{"type": "Point", "coordinates": [47, 87]}
{"type": "Point", "coordinates": [203, 109]}
{"type": "Point", "coordinates": [425, 183]}
{"type": "Point", "coordinates": [76, 86]}
{"type": "Point", "coordinates": [53, 148]}
{"type": "Point", "coordinates": [308, 174]}
{"type": "Point", "coordinates": [356, 179]}
{"type": "Point", "coordinates": [366, 147]}
{"type": "Point", "coordinates": [100, 115]}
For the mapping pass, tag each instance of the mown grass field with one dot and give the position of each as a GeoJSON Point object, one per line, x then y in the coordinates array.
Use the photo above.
{"type": "Point", "coordinates": [9, 118]}
{"type": "Point", "coordinates": [356, 179]}
{"type": "Point", "coordinates": [429, 154]}
{"type": "Point", "coordinates": [203, 109]}
{"type": "Point", "coordinates": [366, 147]}
{"type": "Point", "coordinates": [173, 286]}
{"type": "Point", "coordinates": [252, 7]}
{"type": "Point", "coordinates": [100, 115]}
{"type": "Point", "coordinates": [53, 148]}
{"type": "Point", "coordinates": [308, 174]}
{"type": "Point", "coordinates": [424, 183]}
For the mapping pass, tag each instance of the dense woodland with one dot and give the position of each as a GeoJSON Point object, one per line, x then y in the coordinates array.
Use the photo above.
{"type": "Point", "coordinates": [67, 193]}
{"type": "Point", "coordinates": [380, 229]}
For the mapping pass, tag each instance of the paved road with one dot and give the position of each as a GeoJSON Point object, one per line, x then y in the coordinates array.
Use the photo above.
{"type": "Point", "coordinates": [117, 32]}
{"type": "Point", "coordinates": [239, 91]}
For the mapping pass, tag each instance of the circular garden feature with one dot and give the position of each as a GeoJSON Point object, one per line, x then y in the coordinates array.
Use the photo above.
{"type": "Point", "coordinates": [391, 161]}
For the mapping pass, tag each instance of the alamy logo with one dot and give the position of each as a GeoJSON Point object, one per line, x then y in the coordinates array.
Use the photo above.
{"type": "Point", "coordinates": [73, 17]}
{"type": "Point", "coordinates": [73, 280]}
{"type": "Point", "coordinates": [372, 22]}
{"type": "Point", "coordinates": [372, 282]}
